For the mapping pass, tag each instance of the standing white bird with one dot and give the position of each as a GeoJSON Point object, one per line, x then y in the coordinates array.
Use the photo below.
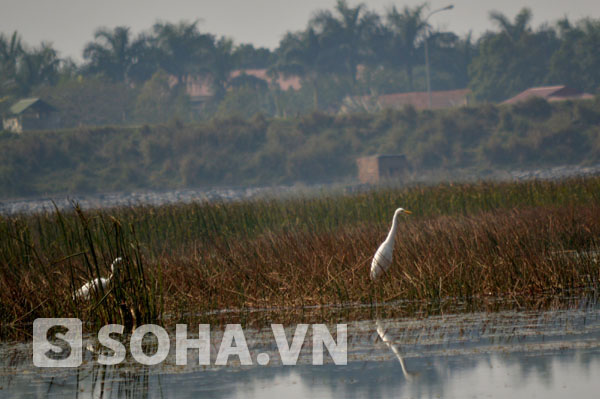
{"type": "Point", "coordinates": [383, 257]}
{"type": "Point", "coordinates": [85, 291]}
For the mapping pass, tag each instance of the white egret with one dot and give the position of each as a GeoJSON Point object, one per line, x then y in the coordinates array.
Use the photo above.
{"type": "Point", "coordinates": [85, 291]}
{"type": "Point", "coordinates": [389, 342]}
{"type": "Point", "coordinates": [383, 257]}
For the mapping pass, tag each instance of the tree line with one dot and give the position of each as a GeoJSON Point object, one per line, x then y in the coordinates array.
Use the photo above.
{"type": "Point", "coordinates": [313, 148]}
{"type": "Point", "coordinates": [349, 50]}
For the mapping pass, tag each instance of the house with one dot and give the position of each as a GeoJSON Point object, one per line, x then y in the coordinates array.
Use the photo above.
{"type": "Point", "coordinates": [31, 114]}
{"type": "Point", "coordinates": [550, 93]}
{"type": "Point", "coordinates": [200, 88]}
{"type": "Point", "coordinates": [284, 83]}
{"type": "Point", "coordinates": [419, 100]}
{"type": "Point", "coordinates": [374, 169]}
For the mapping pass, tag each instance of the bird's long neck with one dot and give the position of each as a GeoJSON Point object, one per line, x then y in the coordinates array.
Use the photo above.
{"type": "Point", "coordinates": [392, 234]}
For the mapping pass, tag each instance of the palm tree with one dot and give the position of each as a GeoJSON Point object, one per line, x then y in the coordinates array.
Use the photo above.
{"type": "Point", "coordinates": [10, 52]}
{"type": "Point", "coordinates": [302, 54]}
{"type": "Point", "coordinates": [407, 28]}
{"type": "Point", "coordinates": [515, 30]}
{"type": "Point", "coordinates": [183, 49]}
{"type": "Point", "coordinates": [38, 67]}
{"type": "Point", "coordinates": [221, 65]}
{"type": "Point", "coordinates": [576, 62]}
{"type": "Point", "coordinates": [512, 59]}
{"type": "Point", "coordinates": [344, 34]}
{"type": "Point", "coordinates": [112, 53]}
{"type": "Point", "coordinates": [145, 59]}
{"type": "Point", "coordinates": [450, 57]}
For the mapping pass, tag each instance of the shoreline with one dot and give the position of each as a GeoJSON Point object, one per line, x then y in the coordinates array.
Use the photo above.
{"type": "Point", "coordinates": [216, 194]}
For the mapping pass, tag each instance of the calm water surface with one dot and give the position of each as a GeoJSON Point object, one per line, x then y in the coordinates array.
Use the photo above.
{"type": "Point", "coordinates": [544, 354]}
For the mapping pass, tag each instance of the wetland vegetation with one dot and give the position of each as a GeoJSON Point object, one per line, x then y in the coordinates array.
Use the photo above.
{"type": "Point", "coordinates": [216, 262]}
{"type": "Point", "coordinates": [314, 148]}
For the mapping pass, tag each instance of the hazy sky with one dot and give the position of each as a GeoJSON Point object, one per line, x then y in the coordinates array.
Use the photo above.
{"type": "Point", "coordinates": [70, 24]}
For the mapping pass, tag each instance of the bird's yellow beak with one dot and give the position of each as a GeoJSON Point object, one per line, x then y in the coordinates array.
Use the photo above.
{"type": "Point", "coordinates": [408, 212]}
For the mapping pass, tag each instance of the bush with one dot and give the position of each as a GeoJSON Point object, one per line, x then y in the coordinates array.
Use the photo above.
{"type": "Point", "coordinates": [314, 148]}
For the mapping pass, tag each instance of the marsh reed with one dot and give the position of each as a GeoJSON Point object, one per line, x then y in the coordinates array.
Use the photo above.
{"type": "Point", "coordinates": [185, 262]}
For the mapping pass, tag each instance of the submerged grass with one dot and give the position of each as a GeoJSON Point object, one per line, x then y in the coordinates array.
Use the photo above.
{"type": "Point", "coordinates": [187, 262]}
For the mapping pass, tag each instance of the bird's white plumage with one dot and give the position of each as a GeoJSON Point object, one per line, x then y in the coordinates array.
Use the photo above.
{"type": "Point", "coordinates": [86, 290]}
{"type": "Point", "coordinates": [384, 254]}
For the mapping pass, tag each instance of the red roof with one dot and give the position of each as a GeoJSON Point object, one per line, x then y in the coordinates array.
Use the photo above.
{"type": "Point", "coordinates": [201, 86]}
{"type": "Point", "coordinates": [550, 93]}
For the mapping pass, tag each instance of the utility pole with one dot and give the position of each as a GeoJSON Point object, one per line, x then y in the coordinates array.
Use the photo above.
{"type": "Point", "coordinates": [450, 7]}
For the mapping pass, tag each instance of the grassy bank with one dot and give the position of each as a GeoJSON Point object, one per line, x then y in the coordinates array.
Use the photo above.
{"type": "Point", "coordinates": [183, 262]}
{"type": "Point", "coordinates": [311, 148]}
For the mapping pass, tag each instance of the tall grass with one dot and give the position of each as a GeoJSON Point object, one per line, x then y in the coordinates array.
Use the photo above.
{"type": "Point", "coordinates": [185, 262]}
{"type": "Point", "coordinates": [46, 258]}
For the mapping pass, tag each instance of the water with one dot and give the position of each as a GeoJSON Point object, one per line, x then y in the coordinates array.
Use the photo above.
{"type": "Point", "coordinates": [506, 354]}
{"type": "Point", "coordinates": [183, 196]}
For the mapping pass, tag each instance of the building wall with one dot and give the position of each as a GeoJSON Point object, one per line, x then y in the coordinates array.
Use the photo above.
{"type": "Point", "coordinates": [39, 121]}
{"type": "Point", "coordinates": [372, 170]}
{"type": "Point", "coordinates": [32, 120]}
{"type": "Point", "coordinates": [12, 125]}
{"type": "Point", "coordinates": [368, 171]}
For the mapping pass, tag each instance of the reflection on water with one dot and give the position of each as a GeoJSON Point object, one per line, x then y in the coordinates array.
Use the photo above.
{"type": "Point", "coordinates": [395, 346]}
{"type": "Point", "coordinates": [548, 354]}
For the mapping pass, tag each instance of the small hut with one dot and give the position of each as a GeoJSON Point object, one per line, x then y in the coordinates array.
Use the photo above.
{"type": "Point", "coordinates": [376, 168]}
{"type": "Point", "coordinates": [31, 114]}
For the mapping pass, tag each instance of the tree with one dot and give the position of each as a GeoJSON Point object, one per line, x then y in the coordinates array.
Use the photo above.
{"type": "Point", "coordinates": [221, 65]}
{"type": "Point", "coordinates": [89, 101]}
{"type": "Point", "coordinates": [450, 58]}
{"type": "Point", "coordinates": [21, 69]}
{"type": "Point", "coordinates": [146, 57]}
{"type": "Point", "coordinates": [245, 101]}
{"type": "Point", "coordinates": [511, 60]}
{"type": "Point", "coordinates": [113, 53]}
{"type": "Point", "coordinates": [407, 29]}
{"type": "Point", "coordinates": [302, 54]}
{"type": "Point", "coordinates": [38, 67]}
{"type": "Point", "coordinates": [183, 49]}
{"type": "Point", "coordinates": [159, 102]}
{"type": "Point", "coordinates": [344, 35]}
{"type": "Point", "coordinates": [514, 31]}
{"type": "Point", "coordinates": [247, 56]}
{"type": "Point", "coordinates": [10, 52]}
{"type": "Point", "coordinates": [577, 61]}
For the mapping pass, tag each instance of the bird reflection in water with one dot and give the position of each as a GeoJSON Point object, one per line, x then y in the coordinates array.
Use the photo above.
{"type": "Point", "coordinates": [389, 342]}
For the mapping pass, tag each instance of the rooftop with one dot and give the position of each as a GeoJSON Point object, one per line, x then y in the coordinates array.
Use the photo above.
{"type": "Point", "coordinates": [419, 100]}
{"type": "Point", "coordinates": [22, 105]}
{"type": "Point", "coordinates": [550, 93]}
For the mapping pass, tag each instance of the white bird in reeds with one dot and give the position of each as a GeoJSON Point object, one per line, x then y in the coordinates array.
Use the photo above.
{"type": "Point", "coordinates": [85, 291]}
{"type": "Point", "coordinates": [383, 257]}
